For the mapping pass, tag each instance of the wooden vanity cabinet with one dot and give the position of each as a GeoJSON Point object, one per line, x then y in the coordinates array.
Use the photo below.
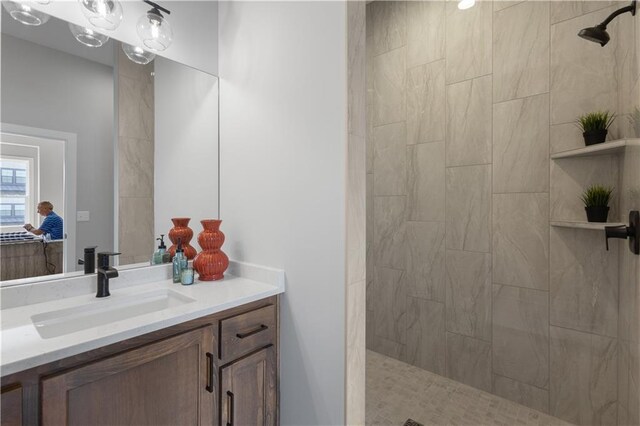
{"type": "Point", "coordinates": [216, 370]}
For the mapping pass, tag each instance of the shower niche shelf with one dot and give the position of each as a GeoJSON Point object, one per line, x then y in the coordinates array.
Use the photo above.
{"type": "Point", "coordinates": [594, 226]}
{"type": "Point", "coordinates": [607, 148]}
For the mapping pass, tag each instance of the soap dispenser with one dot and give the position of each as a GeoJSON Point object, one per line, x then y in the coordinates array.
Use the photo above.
{"type": "Point", "coordinates": [179, 262]}
{"type": "Point", "coordinates": [158, 255]}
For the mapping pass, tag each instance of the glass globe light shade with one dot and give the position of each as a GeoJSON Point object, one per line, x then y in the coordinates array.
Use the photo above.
{"type": "Point", "coordinates": [466, 4]}
{"type": "Point", "coordinates": [154, 31]}
{"type": "Point", "coordinates": [104, 14]}
{"type": "Point", "coordinates": [25, 14]}
{"type": "Point", "coordinates": [43, 1]}
{"type": "Point", "coordinates": [87, 36]}
{"type": "Point", "coordinates": [137, 54]}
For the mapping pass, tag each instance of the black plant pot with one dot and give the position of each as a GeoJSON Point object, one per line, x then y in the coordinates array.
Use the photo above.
{"type": "Point", "coordinates": [597, 213]}
{"type": "Point", "coordinates": [593, 137]}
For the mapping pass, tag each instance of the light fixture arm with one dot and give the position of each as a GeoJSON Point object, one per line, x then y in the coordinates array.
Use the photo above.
{"type": "Point", "coordinates": [631, 8]}
{"type": "Point", "coordinates": [157, 8]}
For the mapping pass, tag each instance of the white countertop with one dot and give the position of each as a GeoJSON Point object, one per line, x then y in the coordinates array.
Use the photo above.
{"type": "Point", "coordinates": [22, 347]}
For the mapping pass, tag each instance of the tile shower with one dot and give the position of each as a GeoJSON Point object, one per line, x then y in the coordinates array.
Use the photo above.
{"type": "Point", "coordinates": [466, 276]}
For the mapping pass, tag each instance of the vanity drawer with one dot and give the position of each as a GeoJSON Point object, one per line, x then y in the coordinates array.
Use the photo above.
{"type": "Point", "coordinates": [246, 332]}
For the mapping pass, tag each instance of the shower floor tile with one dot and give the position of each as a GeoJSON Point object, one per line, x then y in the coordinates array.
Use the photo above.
{"type": "Point", "coordinates": [397, 392]}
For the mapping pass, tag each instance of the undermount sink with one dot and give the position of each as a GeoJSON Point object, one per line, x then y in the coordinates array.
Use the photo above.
{"type": "Point", "coordinates": [101, 312]}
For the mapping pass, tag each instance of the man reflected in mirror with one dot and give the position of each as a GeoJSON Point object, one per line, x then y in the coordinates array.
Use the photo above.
{"type": "Point", "coordinates": [51, 225]}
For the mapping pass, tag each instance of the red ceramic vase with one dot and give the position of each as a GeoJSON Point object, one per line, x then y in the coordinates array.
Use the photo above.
{"type": "Point", "coordinates": [181, 231]}
{"type": "Point", "coordinates": [211, 262]}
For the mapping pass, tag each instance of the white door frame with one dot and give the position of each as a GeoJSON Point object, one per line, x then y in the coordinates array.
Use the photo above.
{"type": "Point", "coordinates": [70, 182]}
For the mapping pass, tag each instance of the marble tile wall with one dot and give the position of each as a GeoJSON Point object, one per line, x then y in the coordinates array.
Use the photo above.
{"type": "Point", "coordinates": [465, 276]}
{"type": "Point", "coordinates": [135, 161]}
{"type": "Point", "coordinates": [357, 217]}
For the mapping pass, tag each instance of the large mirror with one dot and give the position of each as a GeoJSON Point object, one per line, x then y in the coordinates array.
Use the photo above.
{"type": "Point", "coordinates": [116, 147]}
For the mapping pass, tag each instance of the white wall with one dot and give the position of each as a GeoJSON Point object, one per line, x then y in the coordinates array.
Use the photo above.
{"type": "Point", "coordinates": [194, 23]}
{"type": "Point", "coordinates": [52, 90]}
{"type": "Point", "coordinates": [283, 152]}
{"type": "Point", "coordinates": [186, 146]}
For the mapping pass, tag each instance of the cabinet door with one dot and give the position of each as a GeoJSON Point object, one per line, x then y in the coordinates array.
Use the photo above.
{"type": "Point", "coordinates": [248, 392]}
{"type": "Point", "coordinates": [11, 406]}
{"type": "Point", "coordinates": [169, 382]}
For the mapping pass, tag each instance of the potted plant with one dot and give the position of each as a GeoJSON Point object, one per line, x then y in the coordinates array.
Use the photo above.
{"type": "Point", "coordinates": [596, 202]}
{"type": "Point", "coordinates": [594, 126]}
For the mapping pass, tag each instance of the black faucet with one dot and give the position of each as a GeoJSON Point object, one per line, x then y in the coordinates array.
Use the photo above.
{"type": "Point", "coordinates": [89, 260]}
{"type": "Point", "coordinates": [632, 232]}
{"type": "Point", "coordinates": [105, 272]}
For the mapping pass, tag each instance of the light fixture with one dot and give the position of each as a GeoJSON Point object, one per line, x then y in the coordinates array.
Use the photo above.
{"type": "Point", "coordinates": [137, 54]}
{"type": "Point", "coordinates": [25, 14]}
{"type": "Point", "coordinates": [153, 29]}
{"type": "Point", "coordinates": [599, 34]}
{"type": "Point", "coordinates": [104, 14]}
{"type": "Point", "coordinates": [87, 36]}
{"type": "Point", "coordinates": [43, 1]}
{"type": "Point", "coordinates": [466, 4]}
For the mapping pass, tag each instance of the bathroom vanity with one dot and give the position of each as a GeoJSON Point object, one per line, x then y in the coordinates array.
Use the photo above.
{"type": "Point", "coordinates": [208, 357]}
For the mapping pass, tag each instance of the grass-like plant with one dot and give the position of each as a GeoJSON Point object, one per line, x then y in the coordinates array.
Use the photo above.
{"type": "Point", "coordinates": [599, 120]}
{"type": "Point", "coordinates": [597, 196]}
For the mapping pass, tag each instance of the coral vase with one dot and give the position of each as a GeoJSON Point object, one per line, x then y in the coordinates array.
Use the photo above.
{"type": "Point", "coordinates": [211, 262]}
{"type": "Point", "coordinates": [181, 231]}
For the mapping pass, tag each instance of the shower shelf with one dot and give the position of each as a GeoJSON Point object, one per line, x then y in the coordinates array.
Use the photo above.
{"type": "Point", "coordinates": [607, 148]}
{"type": "Point", "coordinates": [595, 226]}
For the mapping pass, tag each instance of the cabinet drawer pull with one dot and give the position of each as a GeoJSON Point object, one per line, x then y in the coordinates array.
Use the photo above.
{"type": "Point", "coordinates": [252, 332]}
{"type": "Point", "coordinates": [209, 386]}
{"type": "Point", "coordinates": [229, 408]}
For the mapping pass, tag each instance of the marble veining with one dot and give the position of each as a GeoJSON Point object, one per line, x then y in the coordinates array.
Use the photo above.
{"type": "Point", "coordinates": [468, 294]}
{"type": "Point", "coordinates": [521, 145]}
{"type": "Point", "coordinates": [583, 377]}
{"type": "Point", "coordinates": [468, 52]}
{"type": "Point", "coordinates": [521, 334]}
{"type": "Point", "coordinates": [469, 122]}
{"type": "Point", "coordinates": [135, 155]}
{"type": "Point", "coordinates": [135, 112]}
{"type": "Point", "coordinates": [425, 260]}
{"type": "Point", "coordinates": [426, 182]}
{"type": "Point", "coordinates": [389, 87]}
{"type": "Point", "coordinates": [524, 394]}
{"type": "Point", "coordinates": [469, 361]}
{"type": "Point", "coordinates": [138, 228]}
{"type": "Point", "coordinates": [468, 208]}
{"type": "Point", "coordinates": [577, 67]}
{"type": "Point", "coordinates": [426, 344]}
{"type": "Point", "coordinates": [389, 25]}
{"type": "Point", "coordinates": [628, 383]}
{"type": "Point", "coordinates": [390, 304]}
{"type": "Point", "coordinates": [425, 102]}
{"type": "Point", "coordinates": [584, 282]}
{"type": "Point", "coordinates": [389, 160]}
{"type": "Point", "coordinates": [521, 240]}
{"type": "Point", "coordinates": [521, 51]}
{"type": "Point", "coordinates": [425, 32]}
{"type": "Point", "coordinates": [389, 231]}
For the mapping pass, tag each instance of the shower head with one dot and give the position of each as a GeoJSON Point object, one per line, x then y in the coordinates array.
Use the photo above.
{"type": "Point", "coordinates": [598, 34]}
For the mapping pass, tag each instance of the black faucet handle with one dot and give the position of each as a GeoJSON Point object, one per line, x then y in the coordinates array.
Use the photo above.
{"type": "Point", "coordinates": [617, 231]}
{"type": "Point", "coordinates": [103, 258]}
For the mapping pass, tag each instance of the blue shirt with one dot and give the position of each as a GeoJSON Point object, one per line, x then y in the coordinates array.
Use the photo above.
{"type": "Point", "coordinates": [52, 224]}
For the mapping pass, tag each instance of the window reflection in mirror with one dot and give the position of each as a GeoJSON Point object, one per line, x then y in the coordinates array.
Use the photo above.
{"type": "Point", "coordinates": [110, 143]}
